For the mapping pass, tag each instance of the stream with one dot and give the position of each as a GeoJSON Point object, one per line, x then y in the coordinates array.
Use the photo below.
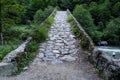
{"type": "Point", "coordinates": [108, 50]}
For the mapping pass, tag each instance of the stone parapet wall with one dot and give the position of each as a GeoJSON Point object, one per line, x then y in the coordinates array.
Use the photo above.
{"type": "Point", "coordinates": [17, 52]}
{"type": "Point", "coordinates": [8, 66]}
{"type": "Point", "coordinates": [107, 67]}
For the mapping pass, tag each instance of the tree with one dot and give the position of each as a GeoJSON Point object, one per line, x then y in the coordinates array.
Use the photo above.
{"type": "Point", "coordinates": [101, 12]}
{"type": "Point", "coordinates": [39, 16]}
{"type": "Point", "coordinates": [112, 32]}
{"type": "Point", "coordinates": [66, 4]}
{"type": "Point", "coordinates": [84, 17]}
{"type": "Point", "coordinates": [1, 36]}
{"type": "Point", "coordinates": [116, 10]}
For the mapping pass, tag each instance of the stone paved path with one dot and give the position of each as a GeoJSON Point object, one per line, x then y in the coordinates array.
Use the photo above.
{"type": "Point", "coordinates": [59, 58]}
{"type": "Point", "coordinates": [61, 43]}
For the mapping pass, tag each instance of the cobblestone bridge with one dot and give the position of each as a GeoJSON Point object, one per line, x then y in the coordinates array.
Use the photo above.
{"type": "Point", "coordinates": [60, 57]}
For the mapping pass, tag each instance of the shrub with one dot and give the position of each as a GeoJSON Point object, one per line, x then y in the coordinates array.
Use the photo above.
{"type": "Point", "coordinates": [32, 46]}
{"type": "Point", "coordinates": [39, 16]}
{"type": "Point", "coordinates": [49, 20]}
{"type": "Point", "coordinates": [48, 11]}
{"type": "Point", "coordinates": [84, 43]}
{"type": "Point", "coordinates": [112, 32]}
{"type": "Point", "coordinates": [69, 18]}
{"type": "Point", "coordinates": [41, 33]}
{"type": "Point", "coordinates": [116, 10]}
{"type": "Point", "coordinates": [84, 17]}
{"type": "Point", "coordinates": [25, 59]}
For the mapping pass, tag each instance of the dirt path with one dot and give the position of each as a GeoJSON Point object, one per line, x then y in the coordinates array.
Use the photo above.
{"type": "Point", "coordinates": [59, 58]}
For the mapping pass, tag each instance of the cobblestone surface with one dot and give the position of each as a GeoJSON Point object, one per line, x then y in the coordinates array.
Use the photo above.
{"type": "Point", "coordinates": [61, 42]}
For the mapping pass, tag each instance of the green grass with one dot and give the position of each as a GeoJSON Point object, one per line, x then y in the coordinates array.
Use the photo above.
{"type": "Point", "coordinates": [69, 18]}
{"type": "Point", "coordinates": [41, 34]}
{"type": "Point", "coordinates": [5, 49]}
{"type": "Point", "coordinates": [50, 20]}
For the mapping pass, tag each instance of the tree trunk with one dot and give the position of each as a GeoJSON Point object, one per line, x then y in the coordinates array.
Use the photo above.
{"type": "Point", "coordinates": [1, 39]}
{"type": "Point", "coordinates": [1, 36]}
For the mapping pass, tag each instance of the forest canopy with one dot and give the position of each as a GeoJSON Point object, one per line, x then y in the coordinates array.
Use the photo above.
{"type": "Point", "coordinates": [100, 18]}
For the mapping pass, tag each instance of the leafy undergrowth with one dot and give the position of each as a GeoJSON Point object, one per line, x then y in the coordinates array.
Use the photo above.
{"type": "Point", "coordinates": [69, 18]}
{"type": "Point", "coordinates": [15, 36]}
{"type": "Point", "coordinates": [25, 59]}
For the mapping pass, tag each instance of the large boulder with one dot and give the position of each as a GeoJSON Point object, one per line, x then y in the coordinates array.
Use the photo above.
{"type": "Point", "coordinates": [7, 69]}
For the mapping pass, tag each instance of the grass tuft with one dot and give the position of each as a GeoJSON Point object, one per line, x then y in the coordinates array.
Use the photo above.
{"type": "Point", "coordinates": [69, 18]}
{"type": "Point", "coordinates": [50, 20]}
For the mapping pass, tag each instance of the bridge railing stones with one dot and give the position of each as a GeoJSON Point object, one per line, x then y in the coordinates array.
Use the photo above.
{"type": "Point", "coordinates": [8, 66]}
{"type": "Point", "coordinates": [108, 67]}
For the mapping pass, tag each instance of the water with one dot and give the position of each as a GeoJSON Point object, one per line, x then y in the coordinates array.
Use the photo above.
{"type": "Point", "coordinates": [108, 50]}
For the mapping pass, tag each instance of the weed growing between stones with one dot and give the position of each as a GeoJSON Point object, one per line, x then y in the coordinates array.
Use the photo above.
{"type": "Point", "coordinates": [69, 18]}
{"type": "Point", "coordinates": [50, 20]}
{"type": "Point", "coordinates": [40, 34]}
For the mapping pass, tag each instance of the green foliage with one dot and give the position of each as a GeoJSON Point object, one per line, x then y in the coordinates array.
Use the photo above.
{"type": "Point", "coordinates": [39, 16]}
{"type": "Point", "coordinates": [101, 12]}
{"type": "Point", "coordinates": [69, 18]}
{"type": "Point", "coordinates": [112, 32]}
{"type": "Point", "coordinates": [25, 59]}
{"type": "Point", "coordinates": [84, 17]}
{"type": "Point", "coordinates": [65, 4]}
{"type": "Point", "coordinates": [49, 20]}
{"type": "Point", "coordinates": [48, 11]}
{"type": "Point", "coordinates": [97, 36]}
{"type": "Point", "coordinates": [74, 28]}
{"type": "Point", "coordinates": [84, 43]}
{"type": "Point", "coordinates": [95, 19]}
{"type": "Point", "coordinates": [41, 33]}
{"type": "Point", "coordinates": [116, 10]}
{"type": "Point", "coordinates": [6, 49]}
{"type": "Point", "coordinates": [76, 31]}
{"type": "Point", "coordinates": [99, 70]}
{"type": "Point", "coordinates": [32, 46]}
